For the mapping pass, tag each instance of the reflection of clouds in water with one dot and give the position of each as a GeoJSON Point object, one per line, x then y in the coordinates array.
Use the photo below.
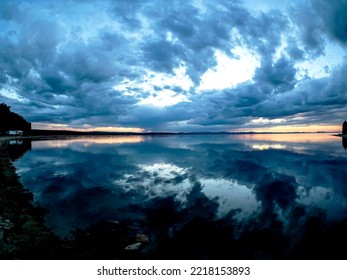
{"type": "Point", "coordinates": [81, 184]}
{"type": "Point", "coordinates": [164, 180]}
{"type": "Point", "coordinates": [320, 138]}
{"type": "Point", "coordinates": [297, 143]}
{"type": "Point", "coordinates": [276, 190]}
{"type": "Point", "coordinates": [334, 205]}
{"type": "Point", "coordinates": [168, 179]}
{"type": "Point", "coordinates": [166, 170]}
{"type": "Point", "coordinates": [231, 195]}
{"type": "Point", "coordinates": [268, 146]}
{"type": "Point", "coordinates": [76, 186]}
{"type": "Point", "coordinates": [158, 180]}
{"type": "Point", "coordinates": [88, 141]}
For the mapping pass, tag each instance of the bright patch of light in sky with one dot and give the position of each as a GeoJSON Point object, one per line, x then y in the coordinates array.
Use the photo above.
{"type": "Point", "coordinates": [264, 6]}
{"type": "Point", "coordinates": [179, 79]}
{"type": "Point", "coordinates": [164, 98]}
{"type": "Point", "coordinates": [229, 71]}
{"type": "Point", "coordinates": [266, 121]}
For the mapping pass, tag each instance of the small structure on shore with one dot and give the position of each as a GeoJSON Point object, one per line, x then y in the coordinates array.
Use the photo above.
{"type": "Point", "coordinates": [14, 132]}
{"type": "Point", "coordinates": [344, 128]}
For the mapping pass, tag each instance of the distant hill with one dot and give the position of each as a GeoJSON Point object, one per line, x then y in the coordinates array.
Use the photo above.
{"type": "Point", "coordinates": [12, 121]}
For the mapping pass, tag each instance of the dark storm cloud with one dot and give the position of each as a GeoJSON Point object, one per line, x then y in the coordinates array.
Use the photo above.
{"type": "Point", "coordinates": [194, 36]}
{"type": "Point", "coordinates": [334, 19]}
{"type": "Point", "coordinates": [280, 75]}
{"type": "Point", "coordinates": [318, 19]}
{"type": "Point", "coordinates": [158, 118]}
{"type": "Point", "coordinates": [310, 27]}
{"type": "Point", "coordinates": [162, 56]}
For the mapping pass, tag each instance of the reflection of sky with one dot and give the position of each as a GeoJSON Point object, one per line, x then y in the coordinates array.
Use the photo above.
{"type": "Point", "coordinates": [88, 141]}
{"type": "Point", "coordinates": [268, 146]}
{"type": "Point", "coordinates": [82, 181]}
{"type": "Point", "coordinates": [294, 137]}
{"type": "Point", "coordinates": [230, 195]}
{"type": "Point", "coordinates": [334, 204]}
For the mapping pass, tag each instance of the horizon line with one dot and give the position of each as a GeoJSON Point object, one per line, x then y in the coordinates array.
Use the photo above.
{"type": "Point", "coordinates": [81, 132]}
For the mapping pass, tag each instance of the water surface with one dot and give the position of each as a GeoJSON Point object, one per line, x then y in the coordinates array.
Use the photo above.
{"type": "Point", "coordinates": [198, 196]}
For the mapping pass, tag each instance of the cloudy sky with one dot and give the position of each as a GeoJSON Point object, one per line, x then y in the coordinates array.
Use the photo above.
{"type": "Point", "coordinates": [192, 65]}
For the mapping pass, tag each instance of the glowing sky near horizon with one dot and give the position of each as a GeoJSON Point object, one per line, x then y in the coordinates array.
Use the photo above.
{"type": "Point", "coordinates": [175, 66]}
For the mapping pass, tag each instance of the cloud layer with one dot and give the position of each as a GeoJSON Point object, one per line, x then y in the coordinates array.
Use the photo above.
{"type": "Point", "coordinates": [141, 64]}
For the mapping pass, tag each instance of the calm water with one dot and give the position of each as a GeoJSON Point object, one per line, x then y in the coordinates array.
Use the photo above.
{"type": "Point", "coordinates": [200, 196]}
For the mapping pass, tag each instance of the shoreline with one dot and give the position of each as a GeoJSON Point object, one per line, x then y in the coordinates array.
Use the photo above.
{"type": "Point", "coordinates": [69, 136]}
{"type": "Point", "coordinates": [49, 134]}
{"type": "Point", "coordinates": [23, 234]}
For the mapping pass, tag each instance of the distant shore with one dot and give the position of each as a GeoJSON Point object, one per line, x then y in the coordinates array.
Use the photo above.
{"type": "Point", "coordinates": [67, 134]}
{"type": "Point", "coordinates": [36, 132]}
{"type": "Point", "coordinates": [44, 133]}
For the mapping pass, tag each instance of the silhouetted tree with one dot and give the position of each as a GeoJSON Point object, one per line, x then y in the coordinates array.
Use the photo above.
{"type": "Point", "coordinates": [12, 121]}
{"type": "Point", "coordinates": [344, 127]}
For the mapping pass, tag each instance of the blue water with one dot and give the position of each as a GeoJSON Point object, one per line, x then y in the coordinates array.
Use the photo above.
{"type": "Point", "coordinates": [265, 191]}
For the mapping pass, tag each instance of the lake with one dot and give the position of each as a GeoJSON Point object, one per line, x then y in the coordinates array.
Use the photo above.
{"type": "Point", "coordinates": [261, 196]}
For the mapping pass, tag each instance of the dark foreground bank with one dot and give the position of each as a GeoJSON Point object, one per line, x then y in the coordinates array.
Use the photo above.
{"type": "Point", "coordinates": [23, 234]}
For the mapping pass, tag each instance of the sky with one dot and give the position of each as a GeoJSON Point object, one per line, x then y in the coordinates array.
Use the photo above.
{"type": "Point", "coordinates": [192, 65]}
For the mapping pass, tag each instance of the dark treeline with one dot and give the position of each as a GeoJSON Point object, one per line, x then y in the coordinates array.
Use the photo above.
{"type": "Point", "coordinates": [12, 121]}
